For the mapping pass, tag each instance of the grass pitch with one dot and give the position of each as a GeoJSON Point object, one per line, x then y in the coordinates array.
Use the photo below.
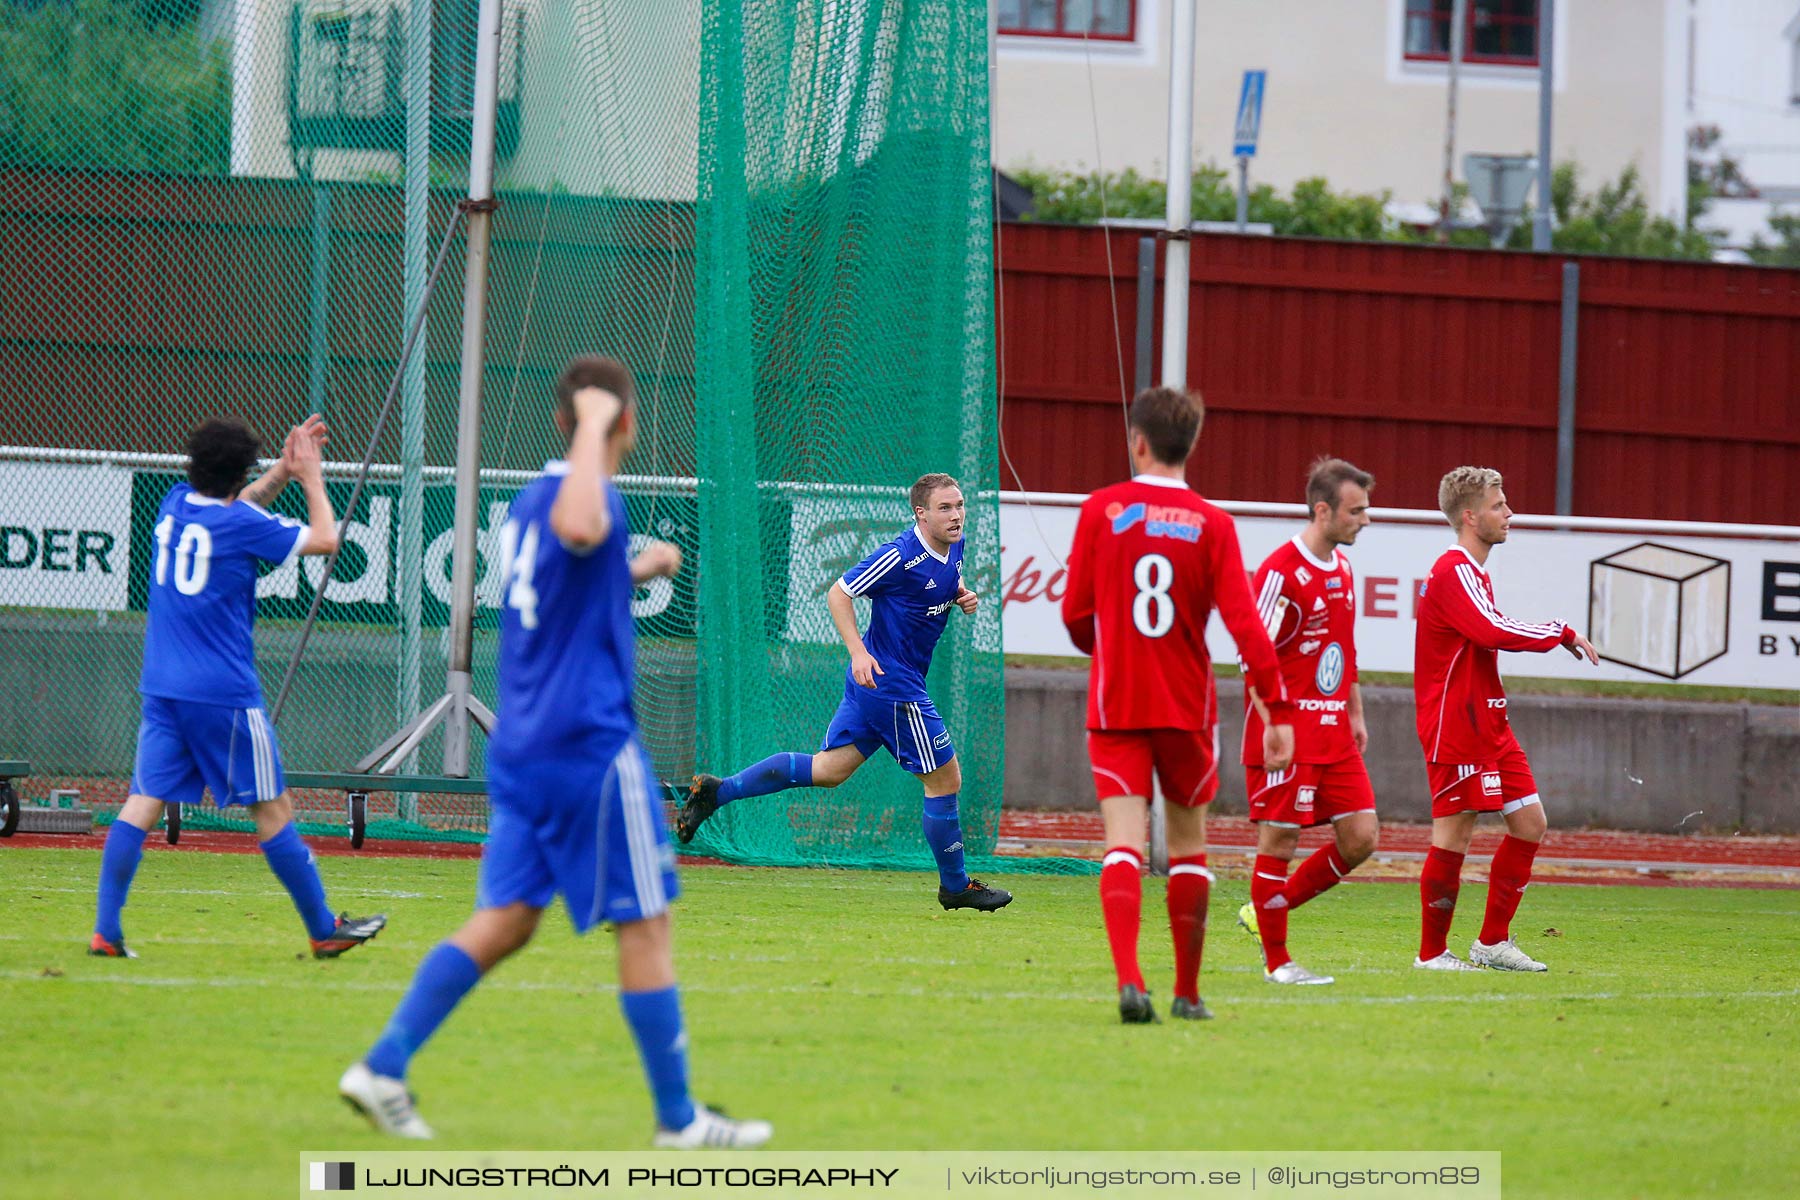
{"type": "Point", "coordinates": [1656, 1059]}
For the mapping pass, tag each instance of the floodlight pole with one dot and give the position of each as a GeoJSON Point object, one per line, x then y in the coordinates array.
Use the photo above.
{"type": "Point", "coordinates": [458, 704]}
{"type": "Point", "coordinates": [1180, 197]}
{"type": "Point", "coordinates": [1458, 18]}
{"type": "Point", "coordinates": [1180, 218]}
{"type": "Point", "coordinates": [1540, 218]}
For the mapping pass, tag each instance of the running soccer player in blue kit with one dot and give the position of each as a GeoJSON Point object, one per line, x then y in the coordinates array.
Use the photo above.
{"type": "Point", "coordinates": [573, 807]}
{"type": "Point", "coordinates": [203, 720]}
{"type": "Point", "coordinates": [913, 582]}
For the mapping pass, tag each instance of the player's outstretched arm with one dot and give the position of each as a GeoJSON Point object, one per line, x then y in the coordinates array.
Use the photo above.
{"type": "Point", "coordinates": [269, 485]}
{"type": "Point", "coordinates": [1465, 604]}
{"type": "Point", "coordinates": [579, 516]}
{"type": "Point", "coordinates": [658, 558]}
{"type": "Point", "coordinates": [863, 667]}
{"type": "Point", "coordinates": [305, 464]}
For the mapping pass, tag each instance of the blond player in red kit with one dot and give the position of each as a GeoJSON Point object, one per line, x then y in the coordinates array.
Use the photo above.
{"type": "Point", "coordinates": [1472, 759]}
{"type": "Point", "coordinates": [1150, 561]}
{"type": "Point", "coordinates": [1306, 596]}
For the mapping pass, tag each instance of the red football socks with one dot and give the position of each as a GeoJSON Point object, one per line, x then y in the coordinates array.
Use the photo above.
{"type": "Point", "coordinates": [1190, 885]}
{"type": "Point", "coordinates": [1507, 879]}
{"type": "Point", "coordinates": [1268, 883]}
{"type": "Point", "coordinates": [1121, 903]}
{"type": "Point", "coordinates": [1438, 885]}
{"type": "Point", "coordinates": [1319, 873]}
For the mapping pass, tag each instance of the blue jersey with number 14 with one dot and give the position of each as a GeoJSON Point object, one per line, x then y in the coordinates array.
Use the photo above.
{"type": "Point", "coordinates": [202, 603]}
{"type": "Point", "coordinates": [565, 635]}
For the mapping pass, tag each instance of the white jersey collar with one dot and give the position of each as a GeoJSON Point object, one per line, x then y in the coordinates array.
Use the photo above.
{"type": "Point", "coordinates": [1300, 545]}
{"type": "Point", "coordinates": [206, 501]}
{"type": "Point", "coordinates": [1478, 566]}
{"type": "Point", "coordinates": [926, 546]}
{"type": "Point", "coordinates": [1159, 481]}
{"type": "Point", "coordinates": [556, 466]}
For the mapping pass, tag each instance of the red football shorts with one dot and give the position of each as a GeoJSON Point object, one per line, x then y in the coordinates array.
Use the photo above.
{"type": "Point", "coordinates": [1310, 793]}
{"type": "Point", "coordinates": [1185, 761]}
{"type": "Point", "coordinates": [1503, 784]}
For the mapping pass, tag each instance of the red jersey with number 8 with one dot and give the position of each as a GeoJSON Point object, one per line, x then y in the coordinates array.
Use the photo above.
{"type": "Point", "coordinates": [1150, 561]}
{"type": "Point", "coordinates": [1309, 608]}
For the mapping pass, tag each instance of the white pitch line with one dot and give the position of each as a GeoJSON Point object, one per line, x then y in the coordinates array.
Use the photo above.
{"type": "Point", "coordinates": [128, 980]}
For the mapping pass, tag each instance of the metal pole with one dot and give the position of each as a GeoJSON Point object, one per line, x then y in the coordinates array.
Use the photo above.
{"type": "Point", "coordinates": [1146, 311]}
{"type": "Point", "coordinates": [318, 340]}
{"type": "Point", "coordinates": [1540, 218]}
{"type": "Point", "coordinates": [1565, 391]}
{"type": "Point", "coordinates": [468, 420]}
{"type": "Point", "coordinates": [409, 578]}
{"type": "Point", "coordinates": [1181, 200]}
{"type": "Point", "coordinates": [1243, 211]}
{"type": "Point", "coordinates": [1458, 18]}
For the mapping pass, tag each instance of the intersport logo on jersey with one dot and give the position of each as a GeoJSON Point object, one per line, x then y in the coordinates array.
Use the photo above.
{"type": "Point", "coordinates": [1667, 606]}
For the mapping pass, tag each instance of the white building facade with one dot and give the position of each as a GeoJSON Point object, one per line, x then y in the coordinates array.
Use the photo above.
{"type": "Point", "coordinates": [1356, 88]}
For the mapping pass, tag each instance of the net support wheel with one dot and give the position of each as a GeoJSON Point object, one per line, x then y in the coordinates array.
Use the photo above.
{"type": "Point", "coordinates": [359, 818]}
{"type": "Point", "coordinates": [9, 808]}
{"type": "Point", "coordinates": [172, 823]}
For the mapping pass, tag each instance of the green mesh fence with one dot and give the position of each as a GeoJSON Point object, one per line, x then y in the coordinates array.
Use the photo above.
{"type": "Point", "coordinates": [776, 213]}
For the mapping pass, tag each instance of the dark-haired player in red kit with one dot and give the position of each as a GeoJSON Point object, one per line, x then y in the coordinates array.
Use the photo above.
{"type": "Point", "coordinates": [1472, 759]}
{"type": "Point", "coordinates": [1151, 560]}
{"type": "Point", "coordinates": [1306, 596]}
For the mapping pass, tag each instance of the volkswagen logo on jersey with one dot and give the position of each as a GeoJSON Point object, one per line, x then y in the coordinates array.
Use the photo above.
{"type": "Point", "coordinates": [1331, 669]}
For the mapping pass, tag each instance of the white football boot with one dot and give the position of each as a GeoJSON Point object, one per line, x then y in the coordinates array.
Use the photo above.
{"type": "Point", "coordinates": [710, 1130]}
{"type": "Point", "coordinates": [1503, 956]}
{"type": "Point", "coordinates": [384, 1100]}
{"type": "Point", "coordinates": [1293, 972]}
{"type": "Point", "coordinates": [1447, 961]}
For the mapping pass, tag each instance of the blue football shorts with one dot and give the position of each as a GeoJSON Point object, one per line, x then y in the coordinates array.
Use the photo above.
{"type": "Point", "coordinates": [911, 730]}
{"type": "Point", "coordinates": [590, 830]}
{"type": "Point", "coordinates": [185, 747]}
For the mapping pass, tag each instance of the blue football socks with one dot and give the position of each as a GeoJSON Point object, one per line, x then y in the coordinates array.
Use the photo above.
{"type": "Point", "coordinates": [776, 773]}
{"type": "Point", "coordinates": [943, 833]}
{"type": "Point", "coordinates": [441, 982]}
{"type": "Point", "coordinates": [293, 864]}
{"type": "Point", "coordinates": [655, 1020]}
{"type": "Point", "coordinates": [118, 863]}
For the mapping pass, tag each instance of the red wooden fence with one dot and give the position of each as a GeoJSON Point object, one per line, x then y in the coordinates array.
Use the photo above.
{"type": "Point", "coordinates": [1410, 360]}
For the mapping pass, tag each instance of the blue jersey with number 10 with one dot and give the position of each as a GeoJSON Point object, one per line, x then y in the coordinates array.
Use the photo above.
{"type": "Point", "coordinates": [202, 602]}
{"type": "Point", "coordinates": [565, 635]}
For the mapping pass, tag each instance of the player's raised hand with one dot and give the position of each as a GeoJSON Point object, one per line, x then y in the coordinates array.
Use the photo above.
{"type": "Point", "coordinates": [1278, 747]}
{"type": "Point", "coordinates": [598, 405]}
{"type": "Point", "coordinates": [864, 668]}
{"type": "Point", "coordinates": [301, 453]}
{"type": "Point", "coordinates": [312, 429]}
{"type": "Point", "coordinates": [1582, 648]}
{"type": "Point", "coordinates": [968, 601]}
{"type": "Point", "coordinates": [657, 558]}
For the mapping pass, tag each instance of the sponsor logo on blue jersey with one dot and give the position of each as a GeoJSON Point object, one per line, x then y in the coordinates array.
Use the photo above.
{"type": "Point", "coordinates": [1331, 669]}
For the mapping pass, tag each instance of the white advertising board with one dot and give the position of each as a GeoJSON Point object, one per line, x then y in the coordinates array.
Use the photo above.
{"type": "Point", "coordinates": [65, 536]}
{"type": "Point", "coordinates": [1658, 603]}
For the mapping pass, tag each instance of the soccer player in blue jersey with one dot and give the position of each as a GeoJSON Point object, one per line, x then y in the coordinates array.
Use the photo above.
{"type": "Point", "coordinates": [203, 720]}
{"type": "Point", "coordinates": [914, 581]}
{"type": "Point", "coordinates": [573, 808]}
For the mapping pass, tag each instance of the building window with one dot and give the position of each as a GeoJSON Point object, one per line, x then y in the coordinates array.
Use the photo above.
{"type": "Point", "coordinates": [1097, 20]}
{"type": "Point", "coordinates": [1502, 32]}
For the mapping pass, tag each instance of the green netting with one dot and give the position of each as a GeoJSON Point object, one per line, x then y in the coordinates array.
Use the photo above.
{"type": "Point", "coordinates": [776, 213]}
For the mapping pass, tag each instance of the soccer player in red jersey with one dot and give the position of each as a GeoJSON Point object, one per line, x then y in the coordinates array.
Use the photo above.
{"type": "Point", "coordinates": [1306, 597]}
{"type": "Point", "coordinates": [1472, 759]}
{"type": "Point", "coordinates": [1151, 560]}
